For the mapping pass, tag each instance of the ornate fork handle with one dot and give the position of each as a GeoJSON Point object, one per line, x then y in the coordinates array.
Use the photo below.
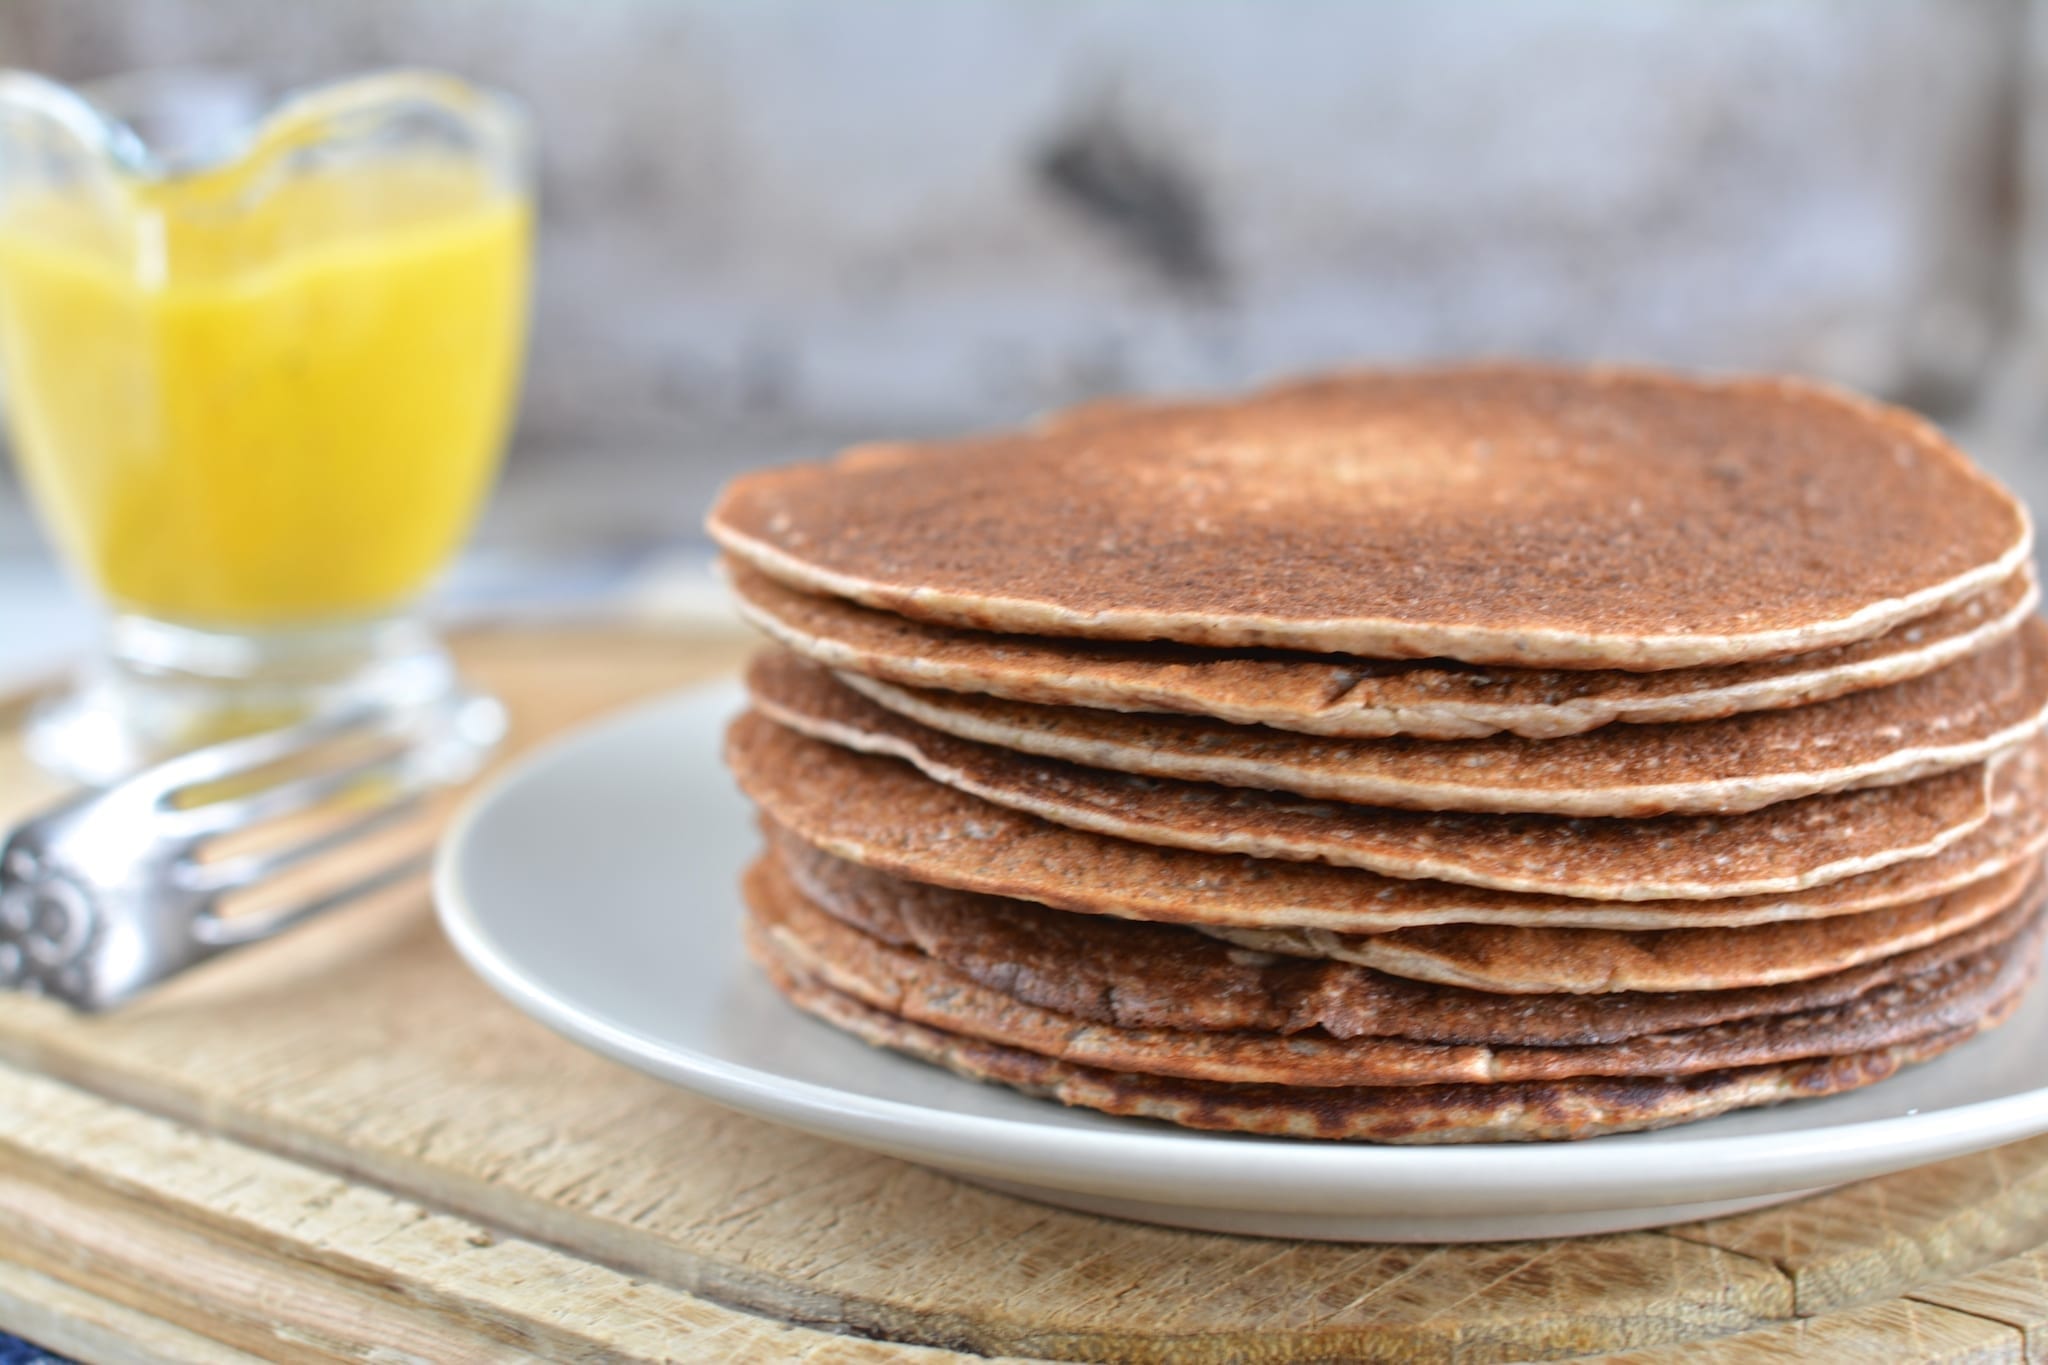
{"type": "Point", "coordinates": [49, 925]}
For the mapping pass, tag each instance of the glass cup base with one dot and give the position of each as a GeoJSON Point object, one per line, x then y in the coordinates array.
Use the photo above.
{"type": "Point", "coordinates": [158, 689]}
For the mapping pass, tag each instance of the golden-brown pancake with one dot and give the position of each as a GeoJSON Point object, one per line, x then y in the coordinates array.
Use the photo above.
{"type": "Point", "coordinates": [1970, 711]}
{"type": "Point", "coordinates": [912, 985]}
{"type": "Point", "coordinates": [1514, 515]}
{"type": "Point", "coordinates": [1793, 846]}
{"type": "Point", "coordinates": [1534, 960]}
{"type": "Point", "coordinates": [1357, 698]}
{"type": "Point", "coordinates": [1130, 974]}
{"type": "Point", "coordinates": [1530, 1111]}
{"type": "Point", "coordinates": [882, 813]}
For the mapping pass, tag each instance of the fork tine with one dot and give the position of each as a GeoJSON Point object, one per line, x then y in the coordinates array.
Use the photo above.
{"type": "Point", "coordinates": [233, 874]}
{"type": "Point", "coordinates": [404, 771]}
{"type": "Point", "coordinates": [214, 931]}
{"type": "Point", "coordinates": [247, 753]}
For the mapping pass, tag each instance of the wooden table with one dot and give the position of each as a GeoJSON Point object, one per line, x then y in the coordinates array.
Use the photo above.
{"type": "Point", "coordinates": [341, 1146]}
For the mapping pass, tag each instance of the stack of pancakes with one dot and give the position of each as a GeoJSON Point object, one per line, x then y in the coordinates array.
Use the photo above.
{"type": "Point", "coordinates": [1455, 755]}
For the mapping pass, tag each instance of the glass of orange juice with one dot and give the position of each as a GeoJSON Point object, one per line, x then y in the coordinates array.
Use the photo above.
{"type": "Point", "coordinates": [259, 363]}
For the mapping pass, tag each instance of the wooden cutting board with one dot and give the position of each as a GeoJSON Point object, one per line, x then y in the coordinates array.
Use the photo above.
{"type": "Point", "coordinates": [341, 1146]}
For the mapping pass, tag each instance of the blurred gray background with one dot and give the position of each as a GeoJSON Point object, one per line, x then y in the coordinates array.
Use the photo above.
{"type": "Point", "coordinates": [770, 227]}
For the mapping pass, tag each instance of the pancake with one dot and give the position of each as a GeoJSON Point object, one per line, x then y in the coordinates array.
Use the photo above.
{"type": "Point", "coordinates": [1531, 1111]}
{"type": "Point", "coordinates": [1961, 715]}
{"type": "Point", "coordinates": [1357, 698]}
{"type": "Point", "coordinates": [1159, 976]}
{"type": "Point", "coordinates": [914, 986]}
{"type": "Point", "coordinates": [882, 813]}
{"type": "Point", "coordinates": [1520, 959]}
{"type": "Point", "coordinates": [1788, 847]}
{"type": "Point", "coordinates": [1518, 515]}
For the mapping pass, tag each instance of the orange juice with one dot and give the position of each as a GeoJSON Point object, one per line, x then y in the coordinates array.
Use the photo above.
{"type": "Point", "coordinates": [247, 404]}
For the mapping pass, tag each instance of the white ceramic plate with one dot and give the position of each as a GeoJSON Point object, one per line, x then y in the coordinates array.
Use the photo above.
{"type": "Point", "coordinates": [595, 886]}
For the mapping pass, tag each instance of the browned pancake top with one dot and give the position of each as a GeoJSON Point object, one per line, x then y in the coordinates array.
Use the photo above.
{"type": "Point", "coordinates": [1787, 847]}
{"type": "Point", "coordinates": [1494, 514]}
{"type": "Point", "coordinates": [882, 813]}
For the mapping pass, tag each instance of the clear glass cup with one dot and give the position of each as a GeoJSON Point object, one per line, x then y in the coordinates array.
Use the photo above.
{"type": "Point", "coordinates": [259, 366]}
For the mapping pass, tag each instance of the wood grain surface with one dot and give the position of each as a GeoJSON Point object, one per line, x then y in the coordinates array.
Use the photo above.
{"type": "Point", "coordinates": [342, 1146]}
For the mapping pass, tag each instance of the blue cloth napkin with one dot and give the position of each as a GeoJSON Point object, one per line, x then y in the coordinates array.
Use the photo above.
{"type": "Point", "coordinates": [14, 1351]}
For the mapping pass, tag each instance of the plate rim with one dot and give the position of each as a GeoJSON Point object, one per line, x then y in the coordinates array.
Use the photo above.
{"type": "Point", "coordinates": [1259, 1169]}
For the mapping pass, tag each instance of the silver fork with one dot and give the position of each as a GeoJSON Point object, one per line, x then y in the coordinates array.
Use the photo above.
{"type": "Point", "coordinates": [107, 894]}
